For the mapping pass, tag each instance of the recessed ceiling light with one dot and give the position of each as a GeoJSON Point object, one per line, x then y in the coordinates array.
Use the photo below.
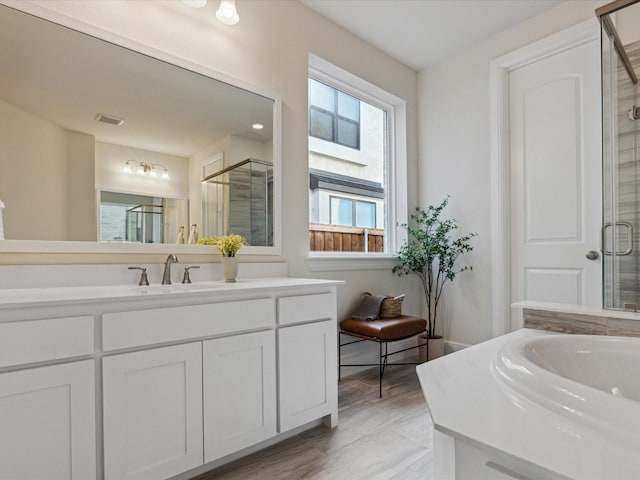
{"type": "Point", "coordinates": [258, 126]}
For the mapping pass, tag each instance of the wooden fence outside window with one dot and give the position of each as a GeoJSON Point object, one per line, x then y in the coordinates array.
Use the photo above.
{"type": "Point", "coordinates": [336, 238]}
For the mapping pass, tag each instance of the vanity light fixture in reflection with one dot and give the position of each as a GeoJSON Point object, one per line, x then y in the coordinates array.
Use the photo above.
{"type": "Point", "coordinates": [226, 13]}
{"type": "Point", "coordinates": [150, 169]}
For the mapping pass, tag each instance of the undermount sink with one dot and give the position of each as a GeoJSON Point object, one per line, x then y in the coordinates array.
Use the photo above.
{"type": "Point", "coordinates": [177, 288]}
{"type": "Point", "coordinates": [588, 378]}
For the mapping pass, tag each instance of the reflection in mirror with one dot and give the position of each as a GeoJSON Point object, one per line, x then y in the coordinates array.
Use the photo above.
{"type": "Point", "coordinates": [125, 217]}
{"type": "Point", "coordinates": [239, 200]}
{"type": "Point", "coordinates": [75, 109]}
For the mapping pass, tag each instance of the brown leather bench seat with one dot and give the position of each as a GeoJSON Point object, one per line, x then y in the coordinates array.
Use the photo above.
{"type": "Point", "coordinates": [384, 329]}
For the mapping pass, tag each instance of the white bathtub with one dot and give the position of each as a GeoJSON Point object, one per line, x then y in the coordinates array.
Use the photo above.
{"type": "Point", "coordinates": [537, 405]}
{"type": "Point", "coordinates": [591, 378]}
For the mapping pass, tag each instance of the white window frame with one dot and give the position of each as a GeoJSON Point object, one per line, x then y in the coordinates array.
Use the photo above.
{"type": "Point", "coordinates": [395, 170]}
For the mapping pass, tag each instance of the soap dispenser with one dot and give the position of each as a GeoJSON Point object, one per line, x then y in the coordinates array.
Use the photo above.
{"type": "Point", "coordinates": [180, 238]}
{"type": "Point", "coordinates": [193, 234]}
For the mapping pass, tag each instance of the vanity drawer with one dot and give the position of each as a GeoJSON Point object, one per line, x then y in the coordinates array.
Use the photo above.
{"type": "Point", "coordinates": [44, 340]}
{"type": "Point", "coordinates": [304, 308]}
{"type": "Point", "coordinates": [147, 327]}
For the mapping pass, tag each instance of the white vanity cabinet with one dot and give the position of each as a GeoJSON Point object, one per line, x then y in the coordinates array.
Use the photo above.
{"type": "Point", "coordinates": [239, 376]}
{"type": "Point", "coordinates": [47, 423]}
{"type": "Point", "coordinates": [307, 359]}
{"type": "Point", "coordinates": [47, 396]}
{"type": "Point", "coordinates": [152, 412]}
{"type": "Point", "coordinates": [173, 384]}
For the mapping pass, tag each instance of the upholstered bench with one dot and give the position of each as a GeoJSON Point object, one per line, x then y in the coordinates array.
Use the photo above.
{"type": "Point", "coordinates": [381, 331]}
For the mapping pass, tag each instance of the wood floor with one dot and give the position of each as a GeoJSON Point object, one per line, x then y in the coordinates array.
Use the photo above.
{"type": "Point", "coordinates": [376, 439]}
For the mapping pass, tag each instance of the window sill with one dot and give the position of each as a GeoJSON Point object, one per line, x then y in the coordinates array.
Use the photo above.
{"type": "Point", "coordinates": [334, 262]}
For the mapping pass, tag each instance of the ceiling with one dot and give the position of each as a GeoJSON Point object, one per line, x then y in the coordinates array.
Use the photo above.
{"type": "Point", "coordinates": [421, 32]}
{"type": "Point", "coordinates": [67, 78]}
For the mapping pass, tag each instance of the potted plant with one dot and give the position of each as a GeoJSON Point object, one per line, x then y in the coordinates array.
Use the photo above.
{"type": "Point", "coordinates": [430, 252]}
{"type": "Point", "coordinates": [228, 246]}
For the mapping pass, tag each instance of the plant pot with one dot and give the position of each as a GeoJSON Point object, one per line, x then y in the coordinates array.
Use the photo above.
{"type": "Point", "coordinates": [230, 268]}
{"type": "Point", "coordinates": [436, 348]}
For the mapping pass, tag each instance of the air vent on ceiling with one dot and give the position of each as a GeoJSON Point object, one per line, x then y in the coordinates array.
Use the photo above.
{"type": "Point", "coordinates": [109, 119]}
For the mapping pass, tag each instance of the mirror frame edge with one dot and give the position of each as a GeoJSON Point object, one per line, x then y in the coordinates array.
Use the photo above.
{"type": "Point", "coordinates": [103, 248]}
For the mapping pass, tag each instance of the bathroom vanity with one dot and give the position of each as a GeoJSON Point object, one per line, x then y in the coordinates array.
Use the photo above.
{"type": "Point", "coordinates": [151, 382]}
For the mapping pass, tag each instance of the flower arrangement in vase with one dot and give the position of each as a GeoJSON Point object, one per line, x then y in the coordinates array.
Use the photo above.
{"type": "Point", "coordinates": [228, 245]}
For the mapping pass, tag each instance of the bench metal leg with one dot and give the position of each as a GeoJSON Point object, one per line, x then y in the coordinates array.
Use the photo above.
{"type": "Point", "coordinates": [383, 358]}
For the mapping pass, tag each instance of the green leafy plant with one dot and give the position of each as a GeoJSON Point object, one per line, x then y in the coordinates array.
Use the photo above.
{"type": "Point", "coordinates": [430, 252]}
{"type": "Point", "coordinates": [227, 244]}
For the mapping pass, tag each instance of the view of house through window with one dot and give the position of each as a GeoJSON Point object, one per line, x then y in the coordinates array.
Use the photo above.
{"type": "Point", "coordinates": [347, 171]}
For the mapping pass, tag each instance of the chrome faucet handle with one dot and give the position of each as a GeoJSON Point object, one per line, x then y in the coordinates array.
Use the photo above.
{"type": "Point", "coordinates": [186, 278]}
{"type": "Point", "coordinates": [144, 281]}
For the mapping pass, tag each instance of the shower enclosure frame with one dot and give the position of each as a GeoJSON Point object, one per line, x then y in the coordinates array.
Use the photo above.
{"type": "Point", "coordinates": [621, 197]}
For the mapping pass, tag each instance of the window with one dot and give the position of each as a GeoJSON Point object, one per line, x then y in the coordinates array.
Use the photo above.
{"type": "Point", "coordinates": [334, 116]}
{"type": "Point", "coordinates": [357, 196]}
{"type": "Point", "coordinates": [350, 212]}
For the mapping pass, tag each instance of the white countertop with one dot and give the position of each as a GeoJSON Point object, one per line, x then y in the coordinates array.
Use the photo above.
{"type": "Point", "coordinates": [579, 309]}
{"type": "Point", "coordinates": [468, 401]}
{"type": "Point", "coordinates": [25, 297]}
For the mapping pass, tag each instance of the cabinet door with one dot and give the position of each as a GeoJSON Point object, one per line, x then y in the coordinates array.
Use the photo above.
{"type": "Point", "coordinates": [239, 392]}
{"type": "Point", "coordinates": [153, 412]}
{"type": "Point", "coordinates": [307, 367]}
{"type": "Point", "coordinates": [47, 423]}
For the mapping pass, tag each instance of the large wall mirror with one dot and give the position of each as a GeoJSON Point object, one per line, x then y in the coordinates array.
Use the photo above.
{"type": "Point", "coordinates": [100, 143]}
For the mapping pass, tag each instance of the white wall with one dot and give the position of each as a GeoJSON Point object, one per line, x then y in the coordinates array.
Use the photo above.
{"type": "Point", "coordinates": [627, 22]}
{"type": "Point", "coordinates": [455, 155]}
{"type": "Point", "coordinates": [270, 48]}
{"type": "Point", "coordinates": [243, 148]}
{"type": "Point", "coordinates": [34, 151]}
{"type": "Point", "coordinates": [82, 221]}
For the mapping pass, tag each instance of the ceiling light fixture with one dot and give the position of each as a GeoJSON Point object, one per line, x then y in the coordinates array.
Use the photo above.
{"type": "Point", "coordinates": [150, 169]}
{"type": "Point", "coordinates": [195, 3]}
{"type": "Point", "coordinates": [227, 12]}
{"type": "Point", "coordinates": [257, 126]}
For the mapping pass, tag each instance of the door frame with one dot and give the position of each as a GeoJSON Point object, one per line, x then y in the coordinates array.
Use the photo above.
{"type": "Point", "coordinates": [500, 67]}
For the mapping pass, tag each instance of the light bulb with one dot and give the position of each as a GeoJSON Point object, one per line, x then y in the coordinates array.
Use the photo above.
{"type": "Point", "coordinates": [195, 3]}
{"type": "Point", "coordinates": [127, 168]}
{"type": "Point", "coordinates": [227, 12]}
{"type": "Point", "coordinates": [140, 170]}
{"type": "Point", "coordinates": [165, 174]}
{"type": "Point", "coordinates": [153, 172]}
{"type": "Point", "coordinates": [257, 126]}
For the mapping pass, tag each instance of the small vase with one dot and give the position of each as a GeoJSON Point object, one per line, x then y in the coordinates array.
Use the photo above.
{"type": "Point", "coordinates": [230, 268]}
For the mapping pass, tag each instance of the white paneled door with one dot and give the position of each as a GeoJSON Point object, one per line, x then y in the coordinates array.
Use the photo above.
{"type": "Point", "coordinates": [555, 152]}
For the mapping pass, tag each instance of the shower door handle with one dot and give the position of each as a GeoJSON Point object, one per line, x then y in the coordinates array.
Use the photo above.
{"type": "Point", "coordinates": [603, 240]}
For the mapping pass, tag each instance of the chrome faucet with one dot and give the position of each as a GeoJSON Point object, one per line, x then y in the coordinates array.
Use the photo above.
{"type": "Point", "coordinates": [166, 276]}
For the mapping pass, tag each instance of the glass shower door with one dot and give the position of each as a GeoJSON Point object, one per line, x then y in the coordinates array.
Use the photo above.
{"type": "Point", "coordinates": [621, 176]}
